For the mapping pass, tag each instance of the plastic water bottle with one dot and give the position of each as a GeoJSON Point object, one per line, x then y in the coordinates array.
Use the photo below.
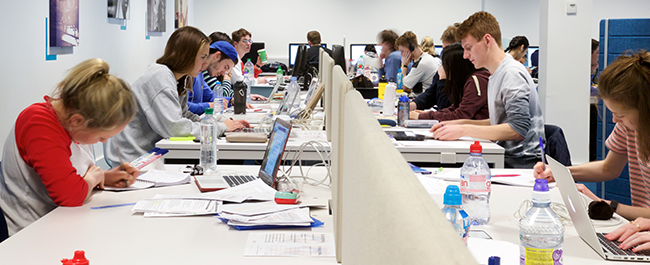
{"type": "Point", "coordinates": [541, 233]}
{"type": "Point", "coordinates": [279, 75]}
{"type": "Point", "coordinates": [453, 211]}
{"type": "Point", "coordinates": [402, 110]}
{"type": "Point", "coordinates": [293, 94]}
{"type": "Point", "coordinates": [208, 159]}
{"type": "Point", "coordinates": [249, 79]}
{"type": "Point", "coordinates": [218, 98]}
{"type": "Point", "coordinates": [400, 78]}
{"type": "Point", "coordinates": [389, 99]}
{"type": "Point", "coordinates": [360, 63]}
{"type": "Point", "coordinates": [475, 185]}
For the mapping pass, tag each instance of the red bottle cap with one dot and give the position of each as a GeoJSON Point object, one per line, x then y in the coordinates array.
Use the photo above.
{"type": "Point", "coordinates": [66, 262]}
{"type": "Point", "coordinates": [80, 258]}
{"type": "Point", "coordinates": [476, 148]}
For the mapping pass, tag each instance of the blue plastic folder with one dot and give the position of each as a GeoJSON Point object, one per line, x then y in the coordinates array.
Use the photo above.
{"type": "Point", "coordinates": [316, 223]}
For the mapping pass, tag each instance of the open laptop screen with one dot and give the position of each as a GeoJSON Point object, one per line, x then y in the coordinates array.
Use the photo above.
{"type": "Point", "coordinates": [274, 151]}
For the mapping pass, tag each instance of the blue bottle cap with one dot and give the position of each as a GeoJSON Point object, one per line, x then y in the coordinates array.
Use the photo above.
{"type": "Point", "coordinates": [494, 260]}
{"type": "Point", "coordinates": [403, 99]}
{"type": "Point", "coordinates": [399, 71]}
{"type": "Point", "coordinates": [452, 196]}
{"type": "Point", "coordinates": [293, 78]}
{"type": "Point", "coordinates": [541, 185]}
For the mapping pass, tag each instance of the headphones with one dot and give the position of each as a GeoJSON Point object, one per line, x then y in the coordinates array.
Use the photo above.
{"type": "Point", "coordinates": [411, 46]}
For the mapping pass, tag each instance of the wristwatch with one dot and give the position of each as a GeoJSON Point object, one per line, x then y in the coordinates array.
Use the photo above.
{"type": "Point", "coordinates": [614, 204]}
{"type": "Point", "coordinates": [404, 65]}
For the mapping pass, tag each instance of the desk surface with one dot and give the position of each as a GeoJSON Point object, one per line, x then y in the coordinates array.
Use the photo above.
{"type": "Point", "coordinates": [116, 236]}
{"type": "Point", "coordinates": [449, 152]}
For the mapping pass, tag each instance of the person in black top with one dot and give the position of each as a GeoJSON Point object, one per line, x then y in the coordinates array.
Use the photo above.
{"type": "Point", "coordinates": [313, 38]}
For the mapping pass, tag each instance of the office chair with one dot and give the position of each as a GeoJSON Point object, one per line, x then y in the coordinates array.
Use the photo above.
{"type": "Point", "coordinates": [556, 145]}
{"type": "Point", "coordinates": [4, 231]}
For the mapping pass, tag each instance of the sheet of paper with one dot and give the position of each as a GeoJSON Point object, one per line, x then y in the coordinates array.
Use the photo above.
{"type": "Point", "coordinates": [176, 205]}
{"type": "Point", "coordinates": [483, 249]}
{"type": "Point", "coordinates": [432, 184]}
{"type": "Point", "coordinates": [250, 209]}
{"type": "Point", "coordinates": [137, 185]}
{"type": "Point", "coordinates": [289, 217]}
{"type": "Point", "coordinates": [290, 245]}
{"type": "Point", "coordinates": [163, 177]}
{"type": "Point", "coordinates": [254, 190]}
{"type": "Point", "coordinates": [163, 214]}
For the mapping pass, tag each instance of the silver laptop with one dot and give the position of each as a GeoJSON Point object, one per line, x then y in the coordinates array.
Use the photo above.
{"type": "Point", "coordinates": [268, 169]}
{"type": "Point", "coordinates": [572, 199]}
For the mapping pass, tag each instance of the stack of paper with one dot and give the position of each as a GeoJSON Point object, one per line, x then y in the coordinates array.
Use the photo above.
{"type": "Point", "coordinates": [265, 213]}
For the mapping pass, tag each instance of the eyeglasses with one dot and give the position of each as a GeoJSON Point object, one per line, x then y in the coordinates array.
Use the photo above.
{"type": "Point", "coordinates": [248, 41]}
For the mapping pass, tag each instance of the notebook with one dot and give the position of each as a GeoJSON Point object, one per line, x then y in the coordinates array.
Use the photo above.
{"type": "Point", "coordinates": [156, 178]}
{"type": "Point", "coordinates": [268, 169]}
{"type": "Point", "coordinates": [572, 199]}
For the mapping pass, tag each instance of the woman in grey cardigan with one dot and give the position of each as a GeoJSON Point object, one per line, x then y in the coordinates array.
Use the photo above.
{"type": "Point", "coordinates": [161, 94]}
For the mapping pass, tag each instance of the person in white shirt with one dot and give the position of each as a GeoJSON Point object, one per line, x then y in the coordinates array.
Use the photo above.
{"type": "Point", "coordinates": [424, 65]}
{"type": "Point", "coordinates": [242, 40]}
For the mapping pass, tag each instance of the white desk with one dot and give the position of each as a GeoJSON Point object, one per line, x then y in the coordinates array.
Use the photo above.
{"type": "Point", "coordinates": [116, 236]}
{"type": "Point", "coordinates": [449, 152]}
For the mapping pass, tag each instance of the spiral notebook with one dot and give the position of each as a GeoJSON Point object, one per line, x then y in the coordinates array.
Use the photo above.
{"type": "Point", "coordinates": [156, 178]}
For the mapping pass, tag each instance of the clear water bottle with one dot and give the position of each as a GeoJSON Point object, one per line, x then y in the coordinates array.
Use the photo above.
{"type": "Point", "coordinates": [541, 233]}
{"type": "Point", "coordinates": [453, 211]}
{"type": "Point", "coordinates": [293, 100]}
{"type": "Point", "coordinates": [249, 79]}
{"type": "Point", "coordinates": [402, 110]}
{"type": "Point", "coordinates": [360, 64]}
{"type": "Point", "coordinates": [218, 99]}
{"type": "Point", "coordinates": [208, 159]}
{"type": "Point", "coordinates": [279, 75]}
{"type": "Point", "coordinates": [400, 78]}
{"type": "Point", "coordinates": [475, 185]}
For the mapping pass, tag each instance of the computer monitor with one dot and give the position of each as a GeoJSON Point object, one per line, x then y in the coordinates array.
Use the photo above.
{"type": "Point", "coordinates": [300, 61]}
{"type": "Point", "coordinates": [338, 54]}
{"type": "Point", "coordinates": [529, 53]}
{"type": "Point", "coordinates": [252, 54]}
{"type": "Point", "coordinates": [378, 191]}
{"type": "Point", "coordinates": [438, 49]}
{"type": "Point", "coordinates": [293, 49]}
{"type": "Point", "coordinates": [356, 50]}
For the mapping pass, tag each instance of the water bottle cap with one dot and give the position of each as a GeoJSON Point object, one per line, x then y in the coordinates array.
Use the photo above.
{"type": "Point", "coordinates": [249, 59]}
{"type": "Point", "coordinates": [541, 185]}
{"type": "Point", "coordinates": [218, 83]}
{"type": "Point", "coordinates": [209, 111]}
{"type": "Point", "coordinates": [294, 78]}
{"type": "Point", "coordinates": [403, 99]}
{"type": "Point", "coordinates": [399, 71]}
{"type": "Point", "coordinates": [494, 260]}
{"type": "Point", "coordinates": [476, 147]}
{"type": "Point", "coordinates": [452, 196]}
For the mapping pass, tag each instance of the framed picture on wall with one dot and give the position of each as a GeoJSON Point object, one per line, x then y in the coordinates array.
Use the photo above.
{"type": "Point", "coordinates": [64, 23]}
{"type": "Point", "coordinates": [156, 15]}
{"type": "Point", "coordinates": [181, 13]}
{"type": "Point", "coordinates": [119, 9]}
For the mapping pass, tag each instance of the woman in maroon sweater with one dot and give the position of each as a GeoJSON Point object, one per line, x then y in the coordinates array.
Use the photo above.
{"type": "Point", "coordinates": [466, 86]}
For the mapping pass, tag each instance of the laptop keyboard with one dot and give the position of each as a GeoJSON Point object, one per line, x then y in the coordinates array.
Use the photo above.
{"type": "Point", "coordinates": [234, 180]}
{"type": "Point", "coordinates": [254, 130]}
{"type": "Point", "coordinates": [612, 246]}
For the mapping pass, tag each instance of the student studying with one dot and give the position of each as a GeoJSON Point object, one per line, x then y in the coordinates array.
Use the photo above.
{"type": "Point", "coordinates": [47, 158]}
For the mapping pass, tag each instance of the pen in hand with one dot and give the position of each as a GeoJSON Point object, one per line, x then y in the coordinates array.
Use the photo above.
{"type": "Point", "coordinates": [122, 168]}
{"type": "Point", "coordinates": [541, 145]}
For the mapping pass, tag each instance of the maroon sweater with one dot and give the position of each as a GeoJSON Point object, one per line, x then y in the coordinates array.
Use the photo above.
{"type": "Point", "coordinates": [472, 106]}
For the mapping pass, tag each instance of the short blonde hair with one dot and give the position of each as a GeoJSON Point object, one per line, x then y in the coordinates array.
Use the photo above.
{"type": "Point", "coordinates": [104, 100]}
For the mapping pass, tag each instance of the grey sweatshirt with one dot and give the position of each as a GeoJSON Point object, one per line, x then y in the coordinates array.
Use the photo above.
{"type": "Point", "coordinates": [513, 99]}
{"type": "Point", "coordinates": [161, 114]}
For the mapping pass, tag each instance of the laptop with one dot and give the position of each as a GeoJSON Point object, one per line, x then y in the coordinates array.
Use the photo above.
{"type": "Point", "coordinates": [268, 169]}
{"type": "Point", "coordinates": [405, 136]}
{"type": "Point", "coordinates": [572, 199]}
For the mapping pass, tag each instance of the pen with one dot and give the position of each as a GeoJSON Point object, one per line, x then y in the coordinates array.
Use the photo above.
{"type": "Point", "coordinates": [111, 206]}
{"type": "Point", "coordinates": [505, 175]}
{"type": "Point", "coordinates": [541, 145]}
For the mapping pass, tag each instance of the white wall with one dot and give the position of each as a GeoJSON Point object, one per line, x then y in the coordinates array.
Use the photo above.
{"type": "Point", "coordinates": [25, 76]}
{"type": "Point", "coordinates": [516, 18]}
{"type": "Point", "coordinates": [359, 21]}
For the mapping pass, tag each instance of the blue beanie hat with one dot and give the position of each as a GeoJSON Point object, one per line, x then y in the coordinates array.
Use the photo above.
{"type": "Point", "coordinates": [225, 48]}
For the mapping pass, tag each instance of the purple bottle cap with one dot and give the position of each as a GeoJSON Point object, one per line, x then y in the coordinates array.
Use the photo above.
{"type": "Point", "coordinates": [541, 185]}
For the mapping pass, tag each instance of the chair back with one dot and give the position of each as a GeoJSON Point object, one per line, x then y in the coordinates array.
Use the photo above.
{"type": "Point", "coordinates": [4, 232]}
{"type": "Point", "coordinates": [556, 145]}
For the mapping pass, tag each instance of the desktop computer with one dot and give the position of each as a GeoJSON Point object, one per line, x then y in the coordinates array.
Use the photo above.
{"type": "Point", "coordinates": [293, 51]}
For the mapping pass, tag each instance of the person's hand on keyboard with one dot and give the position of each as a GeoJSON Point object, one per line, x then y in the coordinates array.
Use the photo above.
{"type": "Point", "coordinates": [627, 233]}
{"type": "Point", "coordinates": [233, 125]}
